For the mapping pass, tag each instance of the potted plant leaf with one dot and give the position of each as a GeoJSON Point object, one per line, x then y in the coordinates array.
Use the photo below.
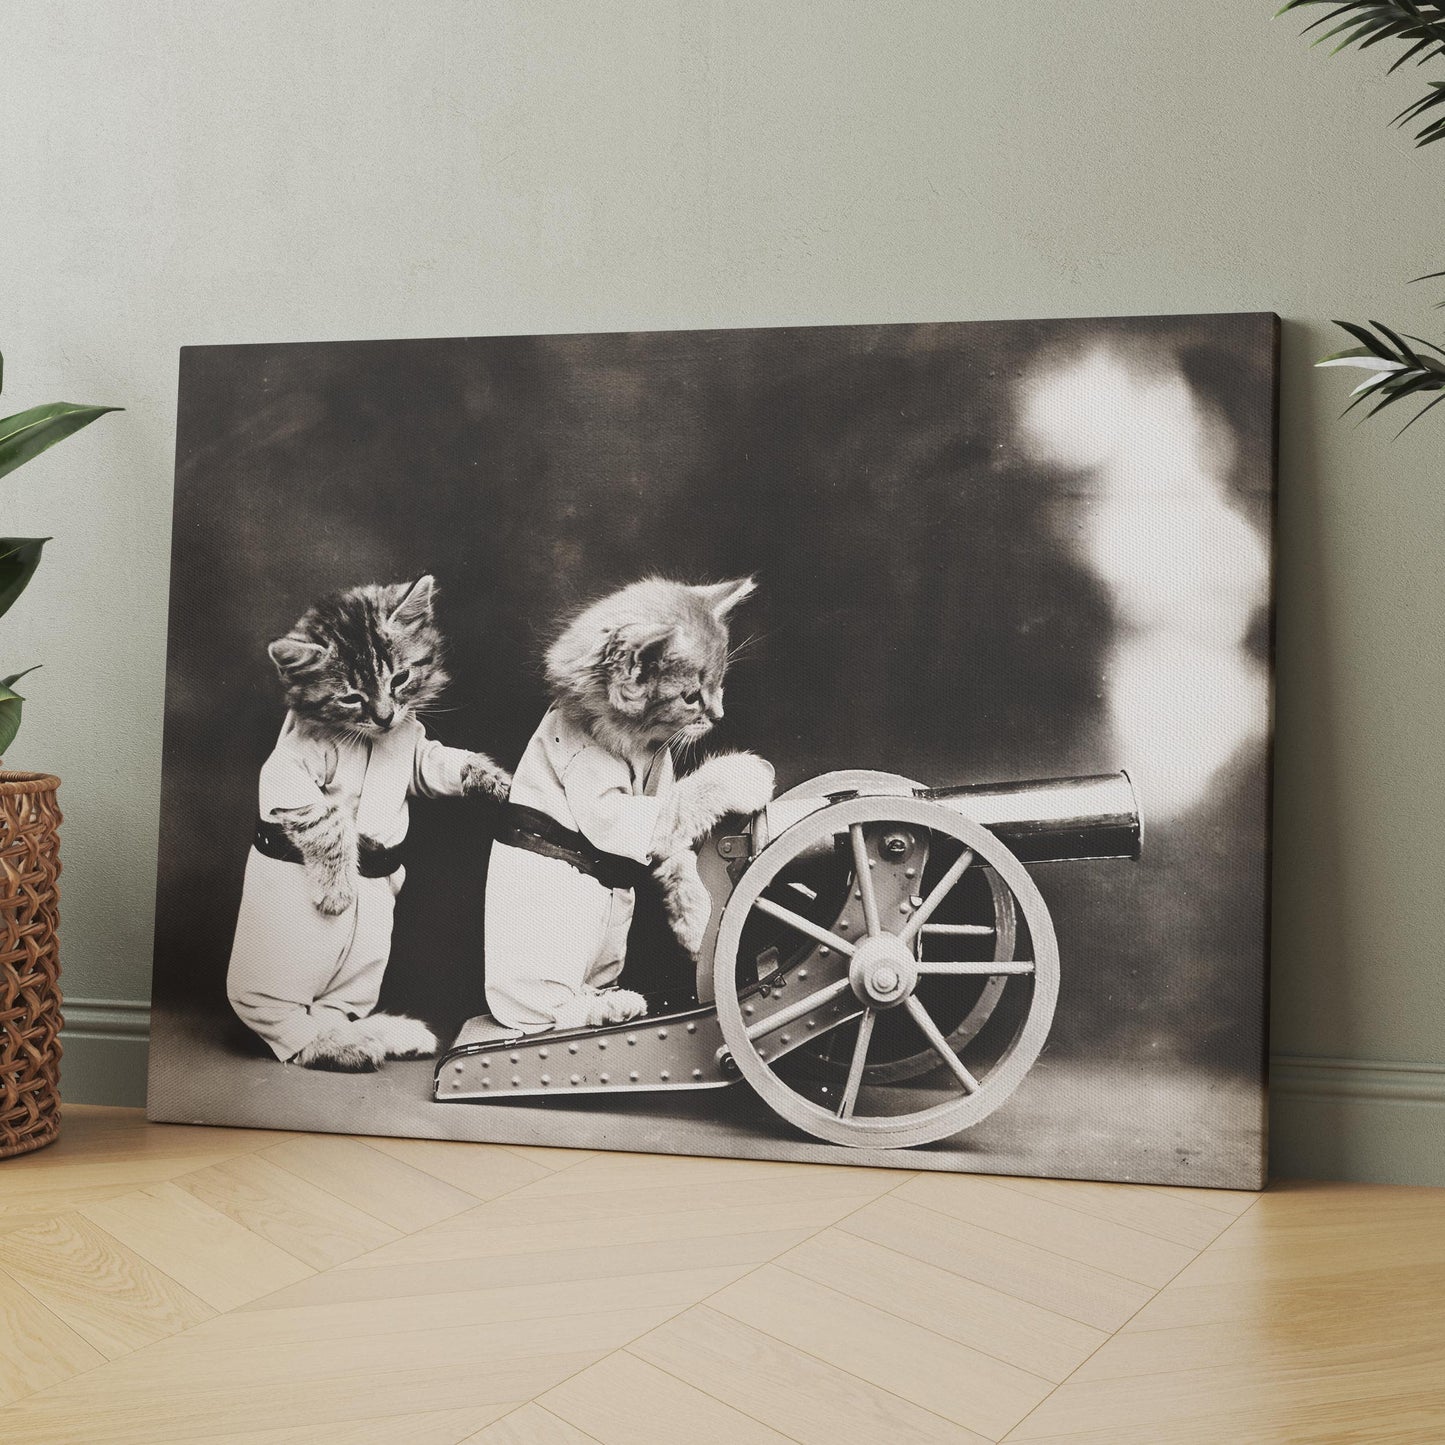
{"type": "Point", "coordinates": [29, 844]}
{"type": "Point", "coordinates": [1402, 367]}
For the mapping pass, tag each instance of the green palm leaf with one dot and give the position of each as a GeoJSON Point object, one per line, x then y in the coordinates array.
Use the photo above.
{"type": "Point", "coordinates": [1420, 24]}
{"type": "Point", "coordinates": [1398, 370]}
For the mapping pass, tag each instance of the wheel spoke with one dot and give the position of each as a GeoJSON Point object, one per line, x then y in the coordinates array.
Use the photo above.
{"type": "Point", "coordinates": [864, 874]}
{"type": "Point", "coordinates": [962, 930]}
{"type": "Point", "coordinates": [978, 969]}
{"type": "Point", "coordinates": [925, 1022]}
{"type": "Point", "coordinates": [785, 1016]}
{"type": "Point", "coordinates": [855, 1069]}
{"type": "Point", "coordinates": [942, 889]}
{"type": "Point", "coordinates": [804, 925]}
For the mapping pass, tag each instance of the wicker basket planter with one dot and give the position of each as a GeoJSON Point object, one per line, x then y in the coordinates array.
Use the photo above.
{"type": "Point", "coordinates": [29, 962]}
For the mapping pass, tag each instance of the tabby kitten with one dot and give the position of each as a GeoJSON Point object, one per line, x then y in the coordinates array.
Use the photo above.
{"type": "Point", "coordinates": [632, 676]}
{"type": "Point", "coordinates": [314, 934]}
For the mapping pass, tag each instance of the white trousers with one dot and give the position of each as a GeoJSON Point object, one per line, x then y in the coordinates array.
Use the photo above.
{"type": "Point", "coordinates": [551, 933]}
{"type": "Point", "coordinates": [296, 972]}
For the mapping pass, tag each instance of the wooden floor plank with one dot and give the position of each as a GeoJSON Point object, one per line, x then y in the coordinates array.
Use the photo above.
{"type": "Point", "coordinates": [1139, 1206]}
{"type": "Point", "coordinates": [519, 1223]}
{"type": "Point", "coordinates": [821, 1194]}
{"type": "Point", "coordinates": [1228, 1201]}
{"type": "Point", "coordinates": [1316, 1252]}
{"type": "Point", "coordinates": [1192, 1400]}
{"type": "Point", "coordinates": [94, 1130]}
{"type": "Point", "coordinates": [158, 1417]}
{"type": "Point", "coordinates": [43, 1207]}
{"type": "Point", "coordinates": [795, 1392]}
{"type": "Point", "coordinates": [1086, 1238]}
{"type": "Point", "coordinates": [306, 1221]}
{"type": "Point", "coordinates": [1294, 1305]}
{"type": "Point", "coordinates": [960, 1383]}
{"type": "Point", "coordinates": [37, 1347]}
{"type": "Point", "coordinates": [1293, 1217]}
{"type": "Point", "coordinates": [111, 1297]}
{"type": "Point", "coordinates": [605, 1173]}
{"type": "Point", "coordinates": [393, 1313]}
{"type": "Point", "coordinates": [194, 1365]}
{"type": "Point", "coordinates": [531, 1425]}
{"type": "Point", "coordinates": [1013, 1267]}
{"type": "Point", "coordinates": [415, 1427]}
{"type": "Point", "coordinates": [1415, 1419]}
{"type": "Point", "coordinates": [548, 1157]}
{"type": "Point", "coordinates": [206, 1252]}
{"type": "Point", "coordinates": [24, 1186]}
{"type": "Point", "coordinates": [1333, 1342]}
{"type": "Point", "coordinates": [371, 1181]}
{"type": "Point", "coordinates": [1013, 1330]}
{"type": "Point", "coordinates": [481, 1170]}
{"type": "Point", "coordinates": [535, 1268]}
{"type": "Point", "coordinates": [623, 1400]}
{"type": "Point", "coordinates": [1305, 1202]}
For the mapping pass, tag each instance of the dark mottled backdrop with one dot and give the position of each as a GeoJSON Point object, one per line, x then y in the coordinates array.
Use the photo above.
{"type": "Point", "coordinates": [920, 608]}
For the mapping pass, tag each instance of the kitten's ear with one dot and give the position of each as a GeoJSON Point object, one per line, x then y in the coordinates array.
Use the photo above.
{"type": "Point", "coordinates": [289, 653]}
{"type": "Point", "coordinates": [722, 597]}
{"type": "Point", "coordinates": [627, 656]}
{"type": "Point", "coordinates": [414, 604]}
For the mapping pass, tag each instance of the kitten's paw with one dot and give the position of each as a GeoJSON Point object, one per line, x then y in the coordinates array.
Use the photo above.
{"type": "Point", "coordinates": [595, 1010]}
{"type": "Point", "coordinates": [482, 778]}
{"type": "Point", "coordinates": [616, 1006]}
{"type": "Point", "coordinates": [399, 1036]}
{"type": "Point", "coordinates": [343, 1051]}
{"type": "Point", "coordinates": [333, 896]}
{"type": "Point", "coordinates": [744, 782]}
{"type": "Point", "coordinates": [689, 926]}
{"type": "Point", "coordinates": [688, 903]}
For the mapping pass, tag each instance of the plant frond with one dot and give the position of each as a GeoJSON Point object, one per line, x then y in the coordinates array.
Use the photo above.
{"type": "Point", "coordinates": [1418, 24]}
{"type": "Point", "coordinates": [1397, 370]}
{"type": "Point", "coordinates": [1418, 415]}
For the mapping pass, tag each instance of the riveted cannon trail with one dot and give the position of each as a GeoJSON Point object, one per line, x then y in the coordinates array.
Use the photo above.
{"type": "Point", "coordinates": [880, 967]}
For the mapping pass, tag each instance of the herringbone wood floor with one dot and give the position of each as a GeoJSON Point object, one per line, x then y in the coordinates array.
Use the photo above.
{"type": "Point", "coordinates": [163, 1283]}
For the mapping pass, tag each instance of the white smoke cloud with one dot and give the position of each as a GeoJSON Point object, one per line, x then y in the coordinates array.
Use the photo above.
{"type": "Point", "coordinates": [1185, 569]}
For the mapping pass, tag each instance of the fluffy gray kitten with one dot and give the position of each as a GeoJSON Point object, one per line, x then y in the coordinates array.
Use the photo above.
{"type": "Point", "coordinates": [645, 667]}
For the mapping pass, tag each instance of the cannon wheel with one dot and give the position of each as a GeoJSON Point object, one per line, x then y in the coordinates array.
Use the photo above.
{"type": "Point", "coordinates": [819, 1057]}
{"type": "Point", "coordinates": [882, 974]}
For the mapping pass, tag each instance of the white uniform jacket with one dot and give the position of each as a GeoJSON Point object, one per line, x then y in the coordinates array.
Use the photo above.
{"type": "Point", "coordinates": [294, 970]}
{"type": "Point", "coordinates": [551, 931]}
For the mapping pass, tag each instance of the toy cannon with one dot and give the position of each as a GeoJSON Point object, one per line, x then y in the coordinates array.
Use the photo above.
{"type": "Point", "coordinates": [879, 967]}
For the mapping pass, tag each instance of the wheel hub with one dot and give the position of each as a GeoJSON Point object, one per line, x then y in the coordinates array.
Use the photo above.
{"type": "Point", "coordinates": [882, 971]}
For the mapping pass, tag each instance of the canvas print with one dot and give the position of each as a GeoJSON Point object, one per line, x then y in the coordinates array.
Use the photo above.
{"type": "Point", "coordinates": [814, 743]}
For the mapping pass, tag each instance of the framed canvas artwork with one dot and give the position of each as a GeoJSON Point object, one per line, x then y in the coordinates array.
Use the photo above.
{"type": "Point", "coordinates": [813, 743]}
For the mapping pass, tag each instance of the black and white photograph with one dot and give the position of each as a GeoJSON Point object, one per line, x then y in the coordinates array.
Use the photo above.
{"type": "Point", "coordinates": [839, 744]}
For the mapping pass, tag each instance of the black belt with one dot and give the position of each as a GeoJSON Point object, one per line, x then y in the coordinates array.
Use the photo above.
{"type": "Point", "coordinates": [372, 860]}
{"type": "Point", "coordinates": [526, 828]}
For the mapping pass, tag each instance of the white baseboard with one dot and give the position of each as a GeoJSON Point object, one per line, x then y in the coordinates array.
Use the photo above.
{"type": "Point", "coordinates": [1358, 1119]}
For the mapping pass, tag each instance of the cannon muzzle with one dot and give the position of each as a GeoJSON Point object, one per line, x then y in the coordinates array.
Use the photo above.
{"type": "Point", "coordinates": [1042, 820]}
{"type": "Point", "coordinates": [1051, 820]}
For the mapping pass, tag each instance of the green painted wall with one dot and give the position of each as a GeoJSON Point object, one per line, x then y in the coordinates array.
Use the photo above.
{"type": "Point", "coordinates": [265, 171]}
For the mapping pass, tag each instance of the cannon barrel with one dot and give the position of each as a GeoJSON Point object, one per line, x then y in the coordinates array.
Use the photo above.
{"type": "Point", "coordinates": [1050, 820]}
{"type": "Point", "coordinates": [1041, 820]}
